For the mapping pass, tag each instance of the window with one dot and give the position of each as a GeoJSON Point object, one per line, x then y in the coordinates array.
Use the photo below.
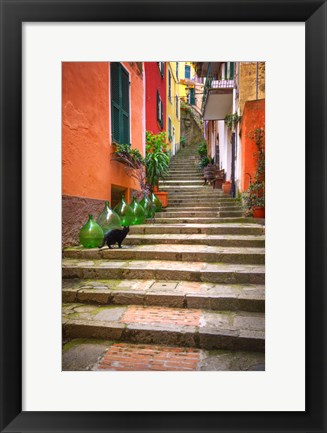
{"type": "Point", "coordinates": [188, 71]}
{"type": "Point", "coordinates": [169, 85]}
{"type": "Point", "coordinates": [159, 110]}
{"type": "Point", "coordinates": [119, 88]}
{"type": "Point", "coordinates": [161, 66]}
{"type": "Point", "coordinates": [169, 129]}
{"type": "Point", "coordinates": [177, 71]}
{"type": "Point", "coordinates": [177, 108]}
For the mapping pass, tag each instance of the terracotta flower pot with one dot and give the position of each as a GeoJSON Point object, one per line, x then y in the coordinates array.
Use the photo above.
{"type": "Point", "coordinates": [227, 186]}
{"type": "Point", "coordinates": [163, 197]}
{"type": "Point", "coordinates": [258, 212]}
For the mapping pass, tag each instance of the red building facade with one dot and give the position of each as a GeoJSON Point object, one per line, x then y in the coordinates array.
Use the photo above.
{"type": "Point", "coordinates": [155, 79]}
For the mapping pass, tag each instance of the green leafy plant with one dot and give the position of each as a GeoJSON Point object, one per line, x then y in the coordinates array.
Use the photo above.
{"type": "Point", "coordinates": [157, 158]}
{"type": "Point", "coordinates": [205, 161]}
{"type": "Point", "coordinates": [182, 140]}
{"type": "Point", "coordinates": [128, 156]}
{"type": "Point", "coordinates": [255, 194]}
{"type": "Point", "coordinates": [134, 164]}
{"type": "Point", "coordinates": [231, 120]}
{"type": "Point", "coordinates": [202, 149]}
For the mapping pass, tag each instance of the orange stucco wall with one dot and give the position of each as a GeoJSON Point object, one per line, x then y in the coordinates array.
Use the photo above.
{"type": "Point", "coordinates": [87, 169]}
{"type": "Point", "coordinates": [253, 118]}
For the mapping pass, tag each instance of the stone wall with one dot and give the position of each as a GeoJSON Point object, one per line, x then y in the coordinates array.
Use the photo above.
{"type": "Point", "coordinates": [189, 128]}
{"type": "Point", "coordinates": [75, 212]}
{"type": "Point", "coordinates": [247, 79]}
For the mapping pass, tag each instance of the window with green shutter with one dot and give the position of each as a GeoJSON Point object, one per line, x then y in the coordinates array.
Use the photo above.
{"type": "Point", "coordinates": [120, 117]}
{"type": "Point", "coordinates": [169, 129]}
{"type": "Point", "coordinates": [159, 110]}
{"type": "Point", "coordinates": [192, 96]}
{"type": "Point", "coordinates": [169, 86]}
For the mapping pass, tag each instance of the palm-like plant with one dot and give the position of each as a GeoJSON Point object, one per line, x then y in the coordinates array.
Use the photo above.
{"type": "Point", "coordinates": [157, 159]}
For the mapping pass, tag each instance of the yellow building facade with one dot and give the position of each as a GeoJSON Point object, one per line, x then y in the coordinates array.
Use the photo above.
{"type": "Point", "coordinates": [173, 112]}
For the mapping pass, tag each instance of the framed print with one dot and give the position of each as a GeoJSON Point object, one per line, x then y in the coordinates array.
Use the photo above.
{"type": "Point", "coordinates": [139, 140]}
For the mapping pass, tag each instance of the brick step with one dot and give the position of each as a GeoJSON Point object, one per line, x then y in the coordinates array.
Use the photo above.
{"type": "Point", "coordinates": [221, 273]}
{"type": "Point", "coordinates": [172, 252]}
{"type": "Point", "coordinates": [199, 328]}
{"type": "Point", "coordinates": [179, 294]}
{"type": "Point", "coordinates": [196, 239]}
{"type": "Point", "coordinates": [195, 220]}
{"type": "Point", "coordinates": [200, 214]}
{"type": "Point", "coordinates": [103, 355]}
{"type": "Point", "coordinates": [251, 228]}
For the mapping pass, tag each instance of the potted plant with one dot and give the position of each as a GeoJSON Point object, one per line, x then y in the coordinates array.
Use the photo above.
{"type": "Point", "coordinates": [134, 164]}
{"type": "Point", "coordinates": [254, 197]}
{"type": "Point", "coordinates": [157, 162]}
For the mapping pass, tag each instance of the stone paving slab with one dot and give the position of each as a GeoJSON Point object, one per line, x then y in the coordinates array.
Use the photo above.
{"type": "Point", "coordinates": [199, 220]}
{"type": "Point", "coordinates": [169, 326]}
{"type": "Point", "coordinates": [209, 229]}
{"type": "Point", "coordinates": [195, 253]}
{"type": "Point", "coordinates": [196, 239]}
{"type": "Point", "coordinates": [200, 213]}
{"type": "Point", "coordinates": [164, 270]}
{"type": "Point", "coordinates": [180, 294]}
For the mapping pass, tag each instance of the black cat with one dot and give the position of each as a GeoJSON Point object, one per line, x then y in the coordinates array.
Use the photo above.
{"type": "Point", "coordinates": [115, 236]}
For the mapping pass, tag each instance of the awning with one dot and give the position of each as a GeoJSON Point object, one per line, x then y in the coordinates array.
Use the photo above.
{"type": "Point", "coordinates": [219, 102]}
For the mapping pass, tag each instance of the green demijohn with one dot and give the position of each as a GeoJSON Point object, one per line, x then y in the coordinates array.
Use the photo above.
{"type": "Point", "coordinates": [139, 212]}
{"type": "Point", "coordinates": [91, 235]}
{"type": "Point", "coordinates": [148, 206]}
{"type": "Point", "coordinates": [124, 212]}
{"type": "Point", "coordinates": [108, 219]}
{"type": "Point", "coordinates": [156, 202]}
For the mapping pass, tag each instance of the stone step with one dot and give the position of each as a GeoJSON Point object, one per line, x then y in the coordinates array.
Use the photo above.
{"type": "Point", "coordinates": [222, 273]}
{"type": "Point", "coordinates": [202, 201]}
{"type": "Point", "coordinates": [196, 220]}
{"type": "Point", "coordinates": [251, 228]}
{"type": "Point", "coordinates": [186, 182]}
{"type": "Point", "coordinates": [172, 252]}
{"type": "Point", "coordinates": [196, 239]}
{"type": "Point", "coordinates": [200, 214]}
{"type": "Point", "coordinates": [200, 328]}
{"type": "Point", "coordinates": [103, 355]}
{"type": "Point", "coordinates": [204, 195]}
{"type": "Point", "coordinates": [215, 208]}
{"type": "Point", "coordinates": [179, 294]}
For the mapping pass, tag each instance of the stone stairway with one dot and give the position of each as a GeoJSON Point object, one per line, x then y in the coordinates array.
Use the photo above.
{"type": "Point", "coordinates": [186, 292]}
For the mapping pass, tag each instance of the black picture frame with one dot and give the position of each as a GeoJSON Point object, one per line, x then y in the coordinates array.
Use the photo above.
{"type": "Point", "coordinates": [13, 14]}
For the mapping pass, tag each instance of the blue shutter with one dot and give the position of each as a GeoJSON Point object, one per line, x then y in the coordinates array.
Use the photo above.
{"type": "Point", "coordinates": [187, 71]}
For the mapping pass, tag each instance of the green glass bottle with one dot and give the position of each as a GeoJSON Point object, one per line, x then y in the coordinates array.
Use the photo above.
{"type": "Point", "coordinates": [148, 206]}
{"type": "Point", "coordinates": [139, 212]}
{"type": "Point", "coordinates": [108, 219]}
{"type": "Point", "coordinates": [124, 212]}
{"type": "Point", "coordinates": [91, 235]}
{"type": "Point", "coordinates": [156, 202]}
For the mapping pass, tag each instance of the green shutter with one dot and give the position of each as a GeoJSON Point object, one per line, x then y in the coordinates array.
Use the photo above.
{"type": "Point", "coordinates": [192, 96]}
{"type": "Point", "coordinates": [119, 86]}
{"type": "Point", "coordinates": [231, 73]}
{"type": "Point", "coordinates": [124, 105]}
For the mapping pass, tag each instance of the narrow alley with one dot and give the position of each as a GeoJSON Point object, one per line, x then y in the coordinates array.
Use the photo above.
{"type": "Point", "coordinates": [186, 291]}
